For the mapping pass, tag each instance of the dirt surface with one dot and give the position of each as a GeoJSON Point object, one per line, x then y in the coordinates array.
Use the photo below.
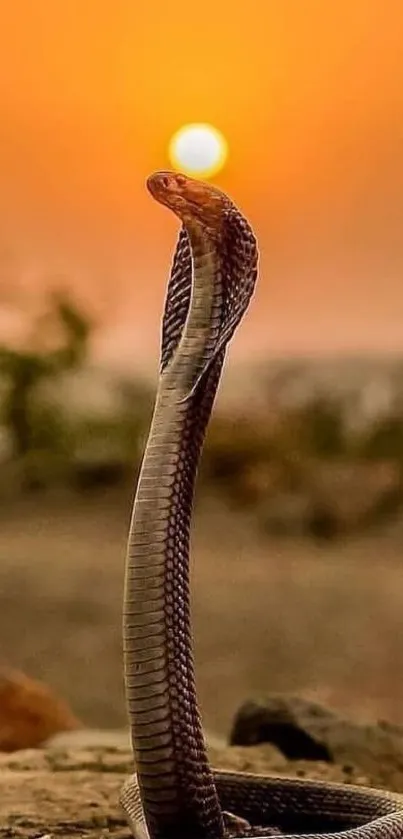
{"type": "Point", "coordinates": [62, 793]}
{"type": "Point", "coordinates": [75, 791]}
{"type": "Point", "coordinates": [323, 621]}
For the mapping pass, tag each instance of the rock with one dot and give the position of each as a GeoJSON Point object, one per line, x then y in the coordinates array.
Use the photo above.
{"type": "Point", "coordinates": [293, 725]}
{"type": "Point", "coordinates": [308, 731]}
{"type": "Point", "coordinates": [30, 712]}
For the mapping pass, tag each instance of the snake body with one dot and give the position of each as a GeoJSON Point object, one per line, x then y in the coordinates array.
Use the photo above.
{"type": "Point", "coordinates": [175, 794]}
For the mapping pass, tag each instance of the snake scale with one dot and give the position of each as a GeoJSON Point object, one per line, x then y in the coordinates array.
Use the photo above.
{"type": "Point", "coordinates": [175, 794]}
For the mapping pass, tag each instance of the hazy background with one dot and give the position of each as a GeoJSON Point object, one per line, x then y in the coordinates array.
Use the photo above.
{"type": "Point", "coordinates": [298, 539]}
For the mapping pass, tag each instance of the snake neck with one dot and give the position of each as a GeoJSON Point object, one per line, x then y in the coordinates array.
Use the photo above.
{"type": "Point", "coordinates": [202, 323]}
{"type": "Point", "coordinates": [177, 789]}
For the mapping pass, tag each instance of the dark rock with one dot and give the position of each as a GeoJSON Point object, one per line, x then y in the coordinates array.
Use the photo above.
{"type": "Point", "coordinates": [304, 730]}
{"type": "Point", "coordinates": [291, 724]}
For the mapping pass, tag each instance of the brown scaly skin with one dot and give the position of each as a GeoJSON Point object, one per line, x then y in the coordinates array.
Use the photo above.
{"type": "Point", "coordinates": [194, 202]}
{"type": "Point", "coordinates": [175, 794]}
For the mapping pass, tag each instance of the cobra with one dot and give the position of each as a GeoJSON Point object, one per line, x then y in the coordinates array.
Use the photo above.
{"type": "Point", "coordinates": [175, 794]}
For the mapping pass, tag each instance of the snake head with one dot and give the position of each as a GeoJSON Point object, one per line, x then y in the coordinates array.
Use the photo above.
{"type": "Point", "coordinates": [196, 203]}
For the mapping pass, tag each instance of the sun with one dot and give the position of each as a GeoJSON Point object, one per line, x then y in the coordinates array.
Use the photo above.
{"type": "Point", "coordinates": [198, 149]}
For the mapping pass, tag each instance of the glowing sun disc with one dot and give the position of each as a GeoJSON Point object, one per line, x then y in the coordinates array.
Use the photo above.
{"type": "Point", "coordinates": [198, 149]}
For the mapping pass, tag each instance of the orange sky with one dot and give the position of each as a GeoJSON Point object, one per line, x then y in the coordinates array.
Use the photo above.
{"type": "Point", "coordinates": [309, 94]}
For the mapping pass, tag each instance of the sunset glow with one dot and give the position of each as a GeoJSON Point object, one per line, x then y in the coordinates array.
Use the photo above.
{"type": "Point", "coordinates": [198, 149]}
{"type": "Point", "coordinates": [309, 98]}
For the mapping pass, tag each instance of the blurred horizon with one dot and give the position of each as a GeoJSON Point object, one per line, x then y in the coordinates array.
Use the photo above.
{"type": "Point", "coordinates": [310, 99]}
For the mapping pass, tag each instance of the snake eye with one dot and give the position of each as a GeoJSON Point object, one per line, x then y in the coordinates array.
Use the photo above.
{"type": "Point", "coordinates": [165, 181]}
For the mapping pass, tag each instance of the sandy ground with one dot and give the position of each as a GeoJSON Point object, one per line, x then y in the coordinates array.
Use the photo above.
{"type": "Point", "coordinates": [325, 621]}
{"type": "Point", "coordinates": [75, 791]}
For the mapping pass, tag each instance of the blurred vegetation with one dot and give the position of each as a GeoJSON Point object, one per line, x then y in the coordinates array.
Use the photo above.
{"type": "Point", "coordinates": [301, 468]}
{"type": "Point", "coordinates": [46, 440]}
{"type": "Point", "coordinates": [305, 471]}
{"type": "Point", "coordinates": [31, 426]}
